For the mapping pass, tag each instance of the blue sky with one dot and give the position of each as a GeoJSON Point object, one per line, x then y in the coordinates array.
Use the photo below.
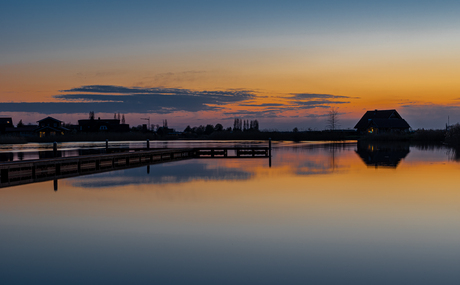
{"type": "Point", "coordinates": [390, 54]}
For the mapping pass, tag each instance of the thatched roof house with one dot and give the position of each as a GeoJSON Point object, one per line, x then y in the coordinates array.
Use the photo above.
{"type": "Point", "coordinates": [381, 121]}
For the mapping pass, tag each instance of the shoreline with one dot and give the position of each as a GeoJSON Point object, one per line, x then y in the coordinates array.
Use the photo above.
{"type": "Point", "coordinates": [420, 136]}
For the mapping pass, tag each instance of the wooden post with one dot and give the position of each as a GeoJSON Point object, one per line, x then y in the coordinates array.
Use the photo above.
{"type": "Point", "coordinates": [4, 175]}
{"type": "Point", "coordinates": [269, 147]}
{"type": "Point", "coordinates": [55, 185]}
{"type": "Point", "coordinates": [269, 152]}
{"type": "Point", "coordinates": [148, 144]}
{"type": "Point", "coordinates": [55, 149]}
{"type": "Point", "coordinates": [106, 145]}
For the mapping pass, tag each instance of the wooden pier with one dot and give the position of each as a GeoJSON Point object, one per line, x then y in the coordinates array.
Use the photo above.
{"type": "Point", "coordinates": [31, 171]}
{"type": "Point", "coordinates": [238, 152]}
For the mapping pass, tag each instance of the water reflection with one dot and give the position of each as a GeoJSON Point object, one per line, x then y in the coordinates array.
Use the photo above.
{"type": "Point", "coordinates": [178, 172]}
{"type": "Point", "coordinates": [318, 216]}
{"type": "Point", "coordinates": [454, 153]}
{"type": "Point", "coordinates": [297, 159]}
{"type": "Point", "coordinates": [382, 154]}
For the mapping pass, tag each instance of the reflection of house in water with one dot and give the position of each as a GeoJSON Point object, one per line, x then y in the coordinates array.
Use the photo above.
{"type": "Point", "coordinates": [382, 154]}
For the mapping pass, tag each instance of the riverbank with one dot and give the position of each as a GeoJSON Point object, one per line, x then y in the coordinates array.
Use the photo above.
{"type": "Point", "coordinates": [429, 136]}
{"type": "Point", "coordinates": [138, 136]}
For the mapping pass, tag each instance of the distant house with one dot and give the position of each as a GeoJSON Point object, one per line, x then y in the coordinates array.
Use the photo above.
{"type": "Point", "coordinates": [50, 126]}
{"type": "Point", "coordinates": [104, 125]}
{"type": "Point", "coordinates": [5, 123]}
{"type": "Point", "coordinates": [24, 131]}
{"type": "Point", "coordinates": [382, 121]}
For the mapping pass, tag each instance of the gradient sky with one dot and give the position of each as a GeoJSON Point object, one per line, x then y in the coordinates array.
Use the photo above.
{"type": "Point", "coordinates": [285, 63]}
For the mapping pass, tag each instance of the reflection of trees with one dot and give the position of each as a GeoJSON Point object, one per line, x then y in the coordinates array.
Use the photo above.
{"type": "Point", "coordinates": [454, 153]}
{"type": "Point", "coordinates": [428, 146]}
{"type": "Point", "coordinates": [382, 154]}
{"type": "Point", "coordinates": [333, 149]}
{"type": "Point", "coordinates": [314, 158]}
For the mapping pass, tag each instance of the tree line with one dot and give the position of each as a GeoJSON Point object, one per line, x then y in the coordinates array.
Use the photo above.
{"type": "Point", "coordinates": [238, 126]}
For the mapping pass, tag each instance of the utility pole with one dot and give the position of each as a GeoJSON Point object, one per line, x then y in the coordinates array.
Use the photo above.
{"type": "Point", "coordinates": [148, 119]}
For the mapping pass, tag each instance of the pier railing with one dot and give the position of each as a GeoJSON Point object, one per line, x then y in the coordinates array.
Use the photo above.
{"type": "Point", "coordinates": [231, 152]}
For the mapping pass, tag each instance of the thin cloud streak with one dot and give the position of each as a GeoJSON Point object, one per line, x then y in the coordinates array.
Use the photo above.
{"type": "Point", "coordinates": [319, 96]}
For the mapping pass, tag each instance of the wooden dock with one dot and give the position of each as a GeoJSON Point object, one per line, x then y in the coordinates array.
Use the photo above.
{"type": "Point", "coordinates": [238, 152]}
{"type": "Point", "coordinates": [31, 171]}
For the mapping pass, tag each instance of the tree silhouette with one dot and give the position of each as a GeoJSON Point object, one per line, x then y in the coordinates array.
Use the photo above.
{"type": "Point", "coordinates": [333, 119]}
{"type": "Point", "coordinates": [218, 128]}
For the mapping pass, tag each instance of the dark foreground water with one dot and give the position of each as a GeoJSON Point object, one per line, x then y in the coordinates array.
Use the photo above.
{"type": "Point", "coordinates": [322, 214]}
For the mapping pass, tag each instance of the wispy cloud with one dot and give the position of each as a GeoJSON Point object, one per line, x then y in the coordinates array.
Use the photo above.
{"type": "Point", "coordinates": [262, 105]}
{"type": "Point", "coordinates": [163, 79]}
{"type": "Point", "coordinates": [313, 100]}
{"type": "Point", "coordinates": [318, 103]}
{"type": "Point", "coordinates": [110, 98]}
{"type": "Point", "coordinates": [311, 96]}
{"type": "Point", "coordinates": [158, 100]}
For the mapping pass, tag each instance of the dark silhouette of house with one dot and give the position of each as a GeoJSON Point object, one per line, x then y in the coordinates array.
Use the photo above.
{"type": "Point", "coordinates": [382, 121]}
{"type": "Point", "coordinates": [24, 131]}
{"type": "Point", "coordinates": [104, 125]}
{"type": "Point", "coordinates": [5, 123]}
{"type": "Point", "coordinates": [50, 126]}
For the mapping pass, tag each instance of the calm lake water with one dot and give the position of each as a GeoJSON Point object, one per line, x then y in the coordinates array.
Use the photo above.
{"type": "Point", "coordinates": [322, 214]}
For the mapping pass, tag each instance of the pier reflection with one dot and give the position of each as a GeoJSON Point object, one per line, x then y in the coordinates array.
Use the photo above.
{"type": "Point", "coordinates": [43, 154]}
{"type": "Point", "coordinates": [382, 154]}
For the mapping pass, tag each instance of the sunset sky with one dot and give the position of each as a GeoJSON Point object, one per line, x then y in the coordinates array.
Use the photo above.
{"type": "Point", "coordinates": [284, 63]}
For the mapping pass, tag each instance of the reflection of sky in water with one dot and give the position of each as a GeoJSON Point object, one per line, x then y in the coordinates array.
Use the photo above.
{"type": "Point", "coordinates": [229, 221]}
{"type": "Point", "coordinates": [179, 172]}
{"type": "Point", "coordinates": [310, 159]}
